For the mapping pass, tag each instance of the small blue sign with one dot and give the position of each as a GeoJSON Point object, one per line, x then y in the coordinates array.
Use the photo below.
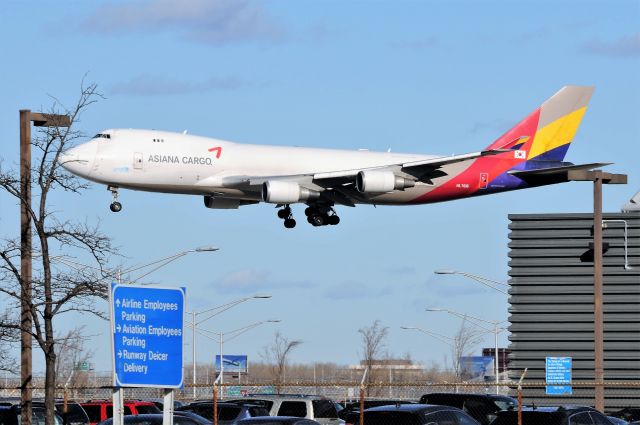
{"type": "Point", "coordinates": [558, 375]}
{"type": "Point", "coordinates": [232, 363]}
{"type": "Point", "coordinates": [147, 325]}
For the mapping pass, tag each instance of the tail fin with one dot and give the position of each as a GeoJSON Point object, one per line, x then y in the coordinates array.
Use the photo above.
{"type": "Point", "coordinates": [548, 131]}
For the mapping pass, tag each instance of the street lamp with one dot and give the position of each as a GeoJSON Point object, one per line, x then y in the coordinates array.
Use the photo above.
{"type": "Point", "coordinates": [493, 284]}
{"type": "Point", "coordinates": [220, 337]}
{"type": "Point", "coordinates": [214, 311]}
{"type": "Point", "coordinates": [442, 338]}
{"type": "Point", "coordinates": [475, 321]}
{"type": "Point", "coordinates": [117, 394]}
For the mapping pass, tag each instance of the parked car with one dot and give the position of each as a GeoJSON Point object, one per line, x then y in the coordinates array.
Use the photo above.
{"type": "Point", "coordinates": [277, 420]}
{"type": "Point", "coordinates": [617, 421]}
{"type": "Point", "coordinates": [319, 409]}
{"type": "Point", "coordinates": [563, 415]}
{"type": "Point", "coordinates": [354, 407]}
{"type": "Point", "coordinates": [228, 413]}
{"type": "Point", "coordinates": [412, 414]}
{"type": "Point", "coordinates": [156, 419]}
{"type": "Point", "coordinates": [75, 413]}
{"type": "Point", "coordinates": [629, 414]}
{"type": "Point", "coordinates": [10, 415]}
{"type": "Point", "coordinates": [101, 410]}
{"type": "Point", "coordinates": [481, 407]}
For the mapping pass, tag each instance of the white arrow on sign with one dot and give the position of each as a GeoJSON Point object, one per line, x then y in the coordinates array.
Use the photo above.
{"type": "Point", "coordinates": [118, 328]}
{"type": "Point", "coordinates": [120, 354]}
{"type": "Point", "coordinates": [118, 303]}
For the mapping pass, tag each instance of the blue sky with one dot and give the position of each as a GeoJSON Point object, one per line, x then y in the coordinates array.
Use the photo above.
{"type": "Point", "coordinates": [430, 77]}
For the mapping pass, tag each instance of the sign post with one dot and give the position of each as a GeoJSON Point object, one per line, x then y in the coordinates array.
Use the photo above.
{"type": "Point", "coordinates": [147, 324]}
{"type": "Point", "coordinates": [558, 375]}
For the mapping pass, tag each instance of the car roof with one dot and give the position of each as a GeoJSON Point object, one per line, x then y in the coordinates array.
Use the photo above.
{"type": "Point", "coordinates": [409, 408]}
{"type": "Point", "coordinates": [272, 418]}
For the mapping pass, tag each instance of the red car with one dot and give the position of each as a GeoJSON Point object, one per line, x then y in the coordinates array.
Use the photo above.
{"type": "Point", "coordinates": [99, 410]}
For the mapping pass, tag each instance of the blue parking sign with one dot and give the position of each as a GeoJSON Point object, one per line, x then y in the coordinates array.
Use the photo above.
{"type": "Point", "coordinates": [148, 326]}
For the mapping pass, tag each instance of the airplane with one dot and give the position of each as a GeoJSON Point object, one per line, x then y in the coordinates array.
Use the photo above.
{"type": "Point", "coordinates": [229, 175]}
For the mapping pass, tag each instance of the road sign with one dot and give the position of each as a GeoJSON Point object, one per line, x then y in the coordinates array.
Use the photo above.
{"type": "Point", "coordinates": [232, 363]}
{"type": "Point", "coordinates": [147, 325]}
{"type": "Point", "coordinates": [82, 366]}
{"type": "Point", "coordinates": [558, 375]}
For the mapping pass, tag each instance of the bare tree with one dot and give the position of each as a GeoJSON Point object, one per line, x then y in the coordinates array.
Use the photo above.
{"type": "Point", "coordinates": [9, 333]}
{"type": "Point", "coordinates": [278, 354]}
{"type": "Point", "coordinates": [70, 353]}
{"type": "Point", "coordinates": [57, 288]}
{"type": "Point", "coordinates": [373, 342]}
{"type": "Point", "coordinates": [466, 339]}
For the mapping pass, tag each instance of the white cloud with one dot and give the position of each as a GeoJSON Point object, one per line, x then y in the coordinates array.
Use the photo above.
{"type": "Point", "coordinates": [623, 47]}
{"type": "Point", "coordinates": [154, 85]}
{"type": "Point", "coordinates": [216, 22]}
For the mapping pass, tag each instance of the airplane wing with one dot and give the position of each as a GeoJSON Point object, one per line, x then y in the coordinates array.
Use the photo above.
{"type": "Point", "coordinates": [339, 186]}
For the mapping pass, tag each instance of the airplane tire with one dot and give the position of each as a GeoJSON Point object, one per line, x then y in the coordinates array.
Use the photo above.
{"type": "Point", "coordinates": [333, 220]}
{"type": "Point", "coordinates": [317, 220]}
{"type": "Point", "coordinates": [289, 223]}
{"type": "Point", "coordinates": [309, 211]}
{"type": "Point", "coordinates": [283, 213]}
{"type": "Point", "coordinates": [115, 206]}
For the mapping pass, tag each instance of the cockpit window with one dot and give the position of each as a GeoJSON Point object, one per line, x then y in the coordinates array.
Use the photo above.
{"type": "Point", "coordinates": [102, 136]}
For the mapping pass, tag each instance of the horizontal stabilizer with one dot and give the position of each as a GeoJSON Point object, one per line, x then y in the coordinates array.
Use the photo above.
{"type": "Point", "coordinates": [553, 174]}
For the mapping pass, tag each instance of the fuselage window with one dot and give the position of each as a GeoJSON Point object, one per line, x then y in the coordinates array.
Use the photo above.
{"type": "Point", "coordinates": [158, 140]}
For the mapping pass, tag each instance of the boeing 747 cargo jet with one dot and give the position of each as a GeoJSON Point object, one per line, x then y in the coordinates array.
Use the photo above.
{"type": "Point", "coordinates": [230, 175]}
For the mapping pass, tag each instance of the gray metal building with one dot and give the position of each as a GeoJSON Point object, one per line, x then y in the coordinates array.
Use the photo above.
{"type": "Point", "coordinates": [551, 302]}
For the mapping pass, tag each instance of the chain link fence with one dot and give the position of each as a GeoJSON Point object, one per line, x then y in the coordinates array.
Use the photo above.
{"type": "Point", "coordinates": [618, 395]}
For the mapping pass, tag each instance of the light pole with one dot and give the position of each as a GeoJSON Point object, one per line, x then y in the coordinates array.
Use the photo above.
{"type": "Point", "coordinates": [442, 338]}
{"type": "Point", "coordinates": [493, 284]}
{"type": "Point", "coordinates": [214, 311]}
{"type": "Point", "coordinates": [474, 320]}
{"type": "Point", "coordinates": [117, 393]}
{"type": "Point", "coordinates": [220, 338]}
{"type": "Point", "coordinates": [451, 342]}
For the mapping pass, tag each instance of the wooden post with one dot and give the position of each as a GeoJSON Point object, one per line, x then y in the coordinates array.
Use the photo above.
{"type": "Point", "coordinates": [25, 268]}
{"type": "Point", "coordinates": [362, 405]}
{"type": "Point", "coordinates": [598, 292]}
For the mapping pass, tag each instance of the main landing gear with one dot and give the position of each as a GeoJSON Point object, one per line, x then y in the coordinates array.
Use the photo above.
{"type": "Point", "coordinates": [321, 216]}
{"type": "Point", "coordinates": [317, 215]}
{"type": "Point", "coordinates": [285, 214]}
{"type": "Point", "coordinates": [115, 205]}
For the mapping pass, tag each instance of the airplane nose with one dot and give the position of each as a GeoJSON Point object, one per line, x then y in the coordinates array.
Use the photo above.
{"type": "Point", "coordinates": [79, 159]}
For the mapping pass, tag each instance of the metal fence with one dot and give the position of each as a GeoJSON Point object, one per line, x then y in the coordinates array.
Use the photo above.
{"type": "Point", "coordinates": [618, 395]}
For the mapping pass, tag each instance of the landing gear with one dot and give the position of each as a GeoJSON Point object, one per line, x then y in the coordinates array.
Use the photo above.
{"type": "Point", "coordinates": [285, 214]}
{"type": "Point", "coordinates": [318, 215]}
{"type": "Point", "coordinates": [115, 205]}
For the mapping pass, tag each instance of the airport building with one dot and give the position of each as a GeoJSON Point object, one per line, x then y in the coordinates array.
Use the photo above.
{"type": "Point", "coordinates": [551, 303]}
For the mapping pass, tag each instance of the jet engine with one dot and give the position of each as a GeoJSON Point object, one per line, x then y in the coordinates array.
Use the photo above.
{"type": "Point", "coordinates": [381, 182]}
{"type": "Point", "coordinates": [283, 192]}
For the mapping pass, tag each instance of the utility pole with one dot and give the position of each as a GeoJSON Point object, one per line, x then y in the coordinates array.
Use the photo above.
{"type": "Point", "coordinates": [598, 177]}
{"type": "Point", "coordinates": [26, 370]}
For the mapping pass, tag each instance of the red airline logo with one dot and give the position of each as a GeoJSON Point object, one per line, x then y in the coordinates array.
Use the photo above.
{"type": "Point", "coordinates": [217, 150]}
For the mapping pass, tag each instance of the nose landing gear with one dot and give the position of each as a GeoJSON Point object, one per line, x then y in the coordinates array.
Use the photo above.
{"type": "Point", "coordinates": [285, 214]}
{"type": "Point", "coordinates": [115, 205]}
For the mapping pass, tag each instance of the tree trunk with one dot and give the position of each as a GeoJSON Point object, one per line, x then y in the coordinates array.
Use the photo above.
{"type": "Point", "coordinates": [50, 386]}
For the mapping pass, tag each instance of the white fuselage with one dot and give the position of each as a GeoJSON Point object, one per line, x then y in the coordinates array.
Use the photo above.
{"type": "Point", "coordinates": [180, 163]}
